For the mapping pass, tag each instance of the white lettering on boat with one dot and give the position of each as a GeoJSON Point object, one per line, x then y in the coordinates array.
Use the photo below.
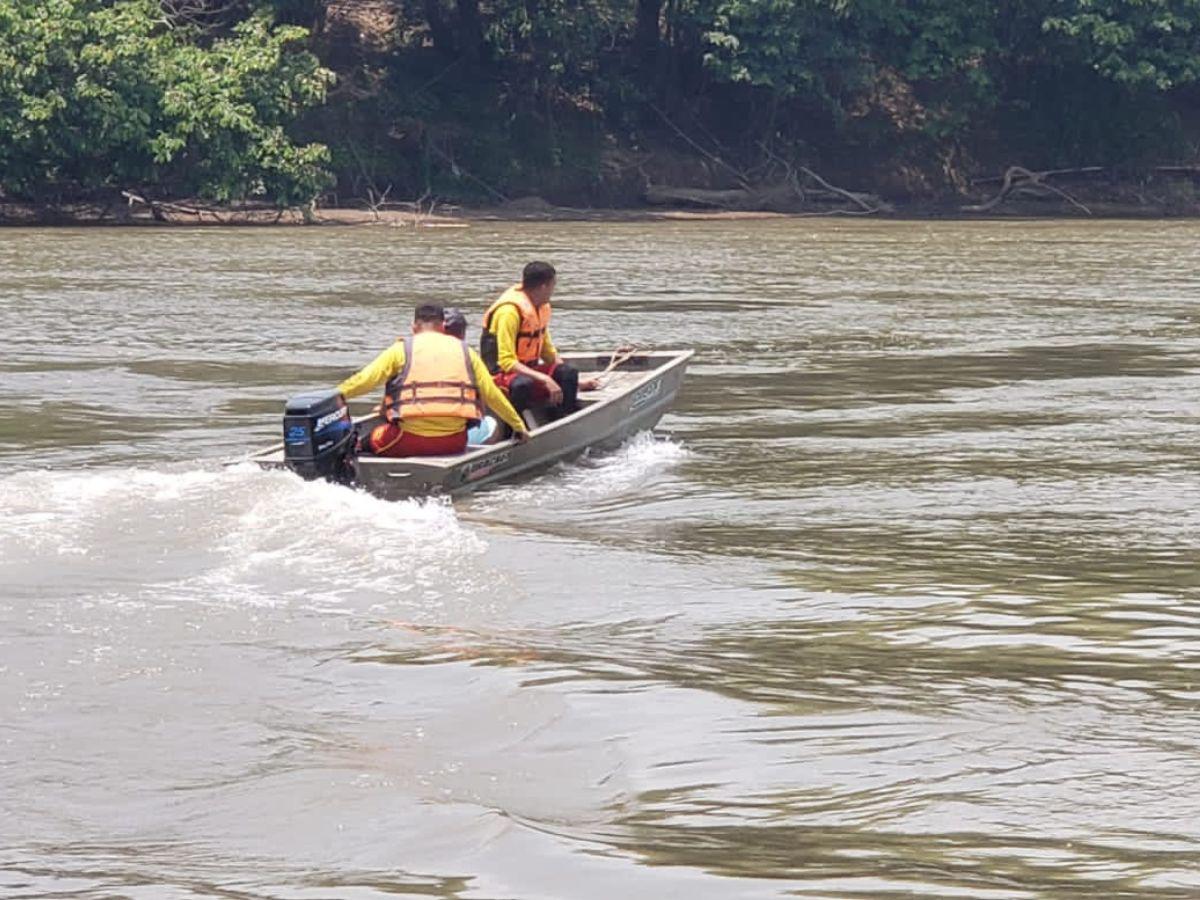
{"type": "Point", "coordinates": [483, 467]}
{"type": "Point", "coordinates": [645, 393]}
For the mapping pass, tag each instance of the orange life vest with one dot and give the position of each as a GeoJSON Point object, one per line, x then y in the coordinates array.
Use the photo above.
{"type": "Point", "coordinates": [437, 380]}
{"type": "Point", "coordinates": [534, 322]}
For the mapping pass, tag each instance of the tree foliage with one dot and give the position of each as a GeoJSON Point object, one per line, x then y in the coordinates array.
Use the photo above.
{"type": "Point", "coordinates": [951, 69]}
{"type": "Point", "coordinates": [1153, 43]}
{"type": "Point", "coordinates": [476, 98]}
{"type": "Point", "coordinates": [99, 96]}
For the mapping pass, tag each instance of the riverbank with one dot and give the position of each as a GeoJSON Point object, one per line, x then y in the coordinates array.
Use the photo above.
{"type": "Point", "coordinates": [465, 218]}
{"type": "Point", "coordinates": [13, 215]}
{"type": "Point", "coordinates": [1165, 193]}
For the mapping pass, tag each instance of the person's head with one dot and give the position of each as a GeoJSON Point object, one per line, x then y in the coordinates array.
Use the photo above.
{"type": "Point", "coordinates": [455, 322]}
{"type": "Point", "coordinates": [428, 317]}
{"type": "Point", "coordinates": [537, 281]}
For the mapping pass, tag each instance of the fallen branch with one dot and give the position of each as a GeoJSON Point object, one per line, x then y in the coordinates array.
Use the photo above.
{"type": "Point", "coordinates": [779, 197]}
{"type": "Point", "coordinates": [159, 208]}
{"type": "Point", "coordinates": [1049, 173]}
{"type": "Point", "coordinates": [1018, 177]}
{"type": "Point", "coordinates": [788, 169]}
{"type": "Point", "coordinates": [740, 176]}
{"type": "Point", "coordinates": [377, 200]}
{"type": "Point", "coordinates": [665, 195]}
{"type": "Point", "coordinates": [459, 172]}
{"type": "Point", "coordinates": [1192, 170]}
{"type": "Point", "coordinates": [836, 212]}
{"type": "Point", "coordinates": [853, 198]}
{"type": "Point", "coordinates": [249, 214]}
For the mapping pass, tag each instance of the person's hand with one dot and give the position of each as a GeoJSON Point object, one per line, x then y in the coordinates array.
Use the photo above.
{"type": "Point", "coordinates": [554, 390]}
{"type": "Point", "coordinates": [521, 437]}
{"type": "Point", "coordinates": [590, 384]}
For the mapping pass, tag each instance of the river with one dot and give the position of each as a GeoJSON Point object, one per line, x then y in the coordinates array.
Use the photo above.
{"type": "Point", "coordinates": [902, 599]}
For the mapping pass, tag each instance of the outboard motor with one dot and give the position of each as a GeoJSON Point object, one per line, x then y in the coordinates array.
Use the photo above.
{"type": "Point", "coordinates": [318, 436]}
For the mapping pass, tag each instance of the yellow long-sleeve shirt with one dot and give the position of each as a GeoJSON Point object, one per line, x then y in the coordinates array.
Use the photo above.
{"type": "Point", "coordinates": [506, 325]}
{"type": "Point", "coordinates": [391, 361]}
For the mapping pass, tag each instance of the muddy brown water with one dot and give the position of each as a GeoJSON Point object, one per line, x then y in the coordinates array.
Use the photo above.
{"type": "Point", "coordinates": [901, 599]}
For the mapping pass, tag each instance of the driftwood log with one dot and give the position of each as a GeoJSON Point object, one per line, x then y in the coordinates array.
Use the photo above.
{"type": "Point", "coordinates": [163, 211]}
{"type": "Point", "coordinates": [778, 197]}
{"type": "Point", "coordinates": [667, 195]}
{"type": "Point", "coordinates": [1086, 172]}
{"type": "Point", "coordinates": [1018, 179]}
{"type": "Point", "coordinates": [791, 193]}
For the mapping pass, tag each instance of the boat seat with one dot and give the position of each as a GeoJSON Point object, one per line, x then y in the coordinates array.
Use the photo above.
{"type": "Point", "coordinates": [535, 418]}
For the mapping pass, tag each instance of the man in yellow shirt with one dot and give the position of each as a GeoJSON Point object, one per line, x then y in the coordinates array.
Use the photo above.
{"type": "Point", "coordinates": [435, 389]}
{"type": "Point", "coordinates": [518, 351]}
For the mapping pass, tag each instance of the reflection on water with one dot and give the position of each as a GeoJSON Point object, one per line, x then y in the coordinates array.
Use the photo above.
{"type": "Point", "coordinates": [902, 600]}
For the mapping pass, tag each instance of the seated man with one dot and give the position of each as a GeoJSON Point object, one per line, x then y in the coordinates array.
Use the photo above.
{"type": "Point", "coordinates": [435, 389]}
{"type": "Point", "coordinates": [485, 431]}
{"type": "Point", "coordinates": [518, 351]}
{"type": "Point", "coordinates": [456, 323]}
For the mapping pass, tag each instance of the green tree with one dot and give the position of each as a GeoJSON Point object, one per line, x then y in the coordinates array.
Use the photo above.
{"type": "Point", "coordinates": [851, 54]}
{"type": "Point", "coordinates": [99, 96]}
{"type": "Point", "coordinates": [1153, 43]}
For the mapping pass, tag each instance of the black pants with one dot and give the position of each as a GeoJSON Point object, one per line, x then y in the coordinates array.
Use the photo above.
{"type": "Point", "coordinates": [525, 392]}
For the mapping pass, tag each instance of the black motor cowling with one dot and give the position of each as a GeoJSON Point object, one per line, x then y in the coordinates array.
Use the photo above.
{"type": "Point", "coordinates": [318, 436]}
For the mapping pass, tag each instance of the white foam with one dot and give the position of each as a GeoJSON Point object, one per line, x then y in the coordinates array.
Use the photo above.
{"type": "Point", "coordinates": [601, 476]}
{"type": "Point", "coordinates": [329, 534]}
{"type": "Point", "coordinates": [237, 534]}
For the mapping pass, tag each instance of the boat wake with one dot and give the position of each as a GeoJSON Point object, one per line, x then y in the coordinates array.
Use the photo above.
{"type": "Point", "coordinates": [595, 477]}
{"type": "Point", "coordinates": [227, 534]}
{"type": "Point", "coordinates": [249, 537]}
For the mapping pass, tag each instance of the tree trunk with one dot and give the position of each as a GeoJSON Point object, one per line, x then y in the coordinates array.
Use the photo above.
{"type": "Point", "coordinates": [439, 28]}
{"type": "Point", "coordinates": [647, 32]}
{"type": "Point", "coordinates": [470, 30]}
{"type": "Point", "coordinates": [534, 47]}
